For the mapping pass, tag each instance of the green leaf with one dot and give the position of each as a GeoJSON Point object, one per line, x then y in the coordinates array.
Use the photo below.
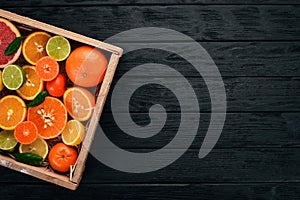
{"type": "Point", "coordinates": [38, 99]}
{"type": "Point", "coordinates": [13, 46]}
{"type": "Point", "coordinates": [29, 158]}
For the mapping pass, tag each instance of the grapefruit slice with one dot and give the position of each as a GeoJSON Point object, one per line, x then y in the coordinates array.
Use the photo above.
{"type": "Point", "coordinates": [34, 46]}
{"type": "Point", "coordinates": [8, 33]}
{"type": "Point", "coordinates": [33, 84]}
{"type": "Point", "coordinates": [12, 112]}
{"type": "Point", "coordinates": [79, 103]}
{"type": "Point", "coordinates": [26, 132]}
{"type": "Point", "coordinates": [50, 117]}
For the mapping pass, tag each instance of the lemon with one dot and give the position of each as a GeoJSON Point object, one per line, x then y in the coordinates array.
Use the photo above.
{"type": "Point", "coordinates": [7, 140]}
{"type": "Point", "coordinates": [58, 48]}
{"type": "Point", "coordinates": [73, 133]}
{"type": "Point", "coordinates": [1, 84]}
{"type": "Point", "coordinates": [13, 77]}
{"type": "Point", "coordinates": [39, 147]}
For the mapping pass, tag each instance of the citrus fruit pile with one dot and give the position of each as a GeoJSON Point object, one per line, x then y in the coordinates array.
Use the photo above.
{"type": "Point", "coordinates": [48, 98]}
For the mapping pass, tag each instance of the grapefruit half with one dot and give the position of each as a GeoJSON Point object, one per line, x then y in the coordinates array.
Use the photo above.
{"type": "Point", "coordinates": [8, 33]}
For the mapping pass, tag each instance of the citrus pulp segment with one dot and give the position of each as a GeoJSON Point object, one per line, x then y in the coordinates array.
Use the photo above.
{"type": "Point", "coordinates": [33, 84]}
{"type": "Point", "coordinates": [73, 133]}
{"type": "Point", "coordinates": [47, 68]}
{"type": "Point", "coordinates": [39, 147]}
{"type": "Point", "coordinates": [12, 112]}
{"type": "Point", "coordinates": [79, 103]}
{"type": "Point", "coordinates": [7, 140]}
{"type": "Point", "coordinates": [13, 77]}
{"type": "Point", "coordinates": [58, 48]}
{"type": "Point", "coordinates": [50, 117]}
{"type": "Point", "coordinates": [34, 46]}
{"type": "Point", "coordinates": [8, 33]}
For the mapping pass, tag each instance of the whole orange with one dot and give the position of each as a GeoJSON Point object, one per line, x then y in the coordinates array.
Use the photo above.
{"type": "Point", "coordinates": [61, 157]}
{"type": "Point", "coordinates": [86, 66]}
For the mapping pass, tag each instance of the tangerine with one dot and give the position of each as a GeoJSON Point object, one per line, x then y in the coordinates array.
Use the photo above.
{"type": "Point", "coordinates": [26, 132]}
{"type": "Point", "coordinates": [50, 117]}
{"type": "Point", "coordinates": [47, 68]}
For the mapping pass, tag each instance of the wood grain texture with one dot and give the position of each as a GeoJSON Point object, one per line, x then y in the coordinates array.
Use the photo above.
{"type": "Point", "coordinates": [217, 23]}
{"type": "Point", "coordinates": [252, 130]}
{"type": "Point", "coordinates": [244, 94]}
{"type": "Point", "coordinates": [232, 59]}
{"type": "Point", "coordinates": [256, 48]}
{"type": "Point", "coordinates": [228, 191]}
{"type": "Point", "coordinates": [17, 3]}
{"type": "Point", "coordinates": [220, 166]}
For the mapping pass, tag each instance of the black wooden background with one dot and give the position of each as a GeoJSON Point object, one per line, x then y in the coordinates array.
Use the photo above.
{"type": "Point", "coordinates": [256, 46]}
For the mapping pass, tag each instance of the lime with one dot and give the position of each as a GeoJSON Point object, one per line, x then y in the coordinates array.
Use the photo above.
{"type": "Point", "coordinates": [7, 140]}
{"type": "Point", "coordinates": [73, 133]}
{"type": "Point", "coordinates": [13, 77]}
{"type": "Point", "coordinates": [39, 147]}
{"type": "Point", "coordinates": [58, 48]}
{"type": "Point", "coordinates": [1, 84]}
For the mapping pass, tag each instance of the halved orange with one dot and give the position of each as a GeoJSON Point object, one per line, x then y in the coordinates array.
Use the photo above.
{"type": "Point", "coordinates": [79, 103]}
{"type": "Point", "coordinates": [12, 112]}
{"type": "Point", "coordinates": [34, 46]}
{"type": "Point", "coordinates": [33, 84]}
{"type": "Point", "coordinates": [26, 132]}
{"type": "Point", "coordinates": [47, 68]}
{"type": "Point", "coordinates": [50, 117]}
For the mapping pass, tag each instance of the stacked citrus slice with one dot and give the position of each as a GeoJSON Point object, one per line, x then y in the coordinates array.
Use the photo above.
{"type": "Point", "coordinates": [33, 84]}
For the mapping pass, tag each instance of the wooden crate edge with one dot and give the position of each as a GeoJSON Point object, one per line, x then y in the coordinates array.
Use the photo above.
{"type": "Point", "coordinates": [80, 165]}
{"type": "Point", "coordinates": [59, 31]}
{"type": "Point", "coordinates": [38, 172]}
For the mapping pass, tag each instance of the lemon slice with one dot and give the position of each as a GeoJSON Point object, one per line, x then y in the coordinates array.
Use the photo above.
{"type": "Point", "coordinates": [73, 133]}
{"type": "Point", "coordinates": [39, 147]}
{"type": "Point", "coordinates": [58, 48]}
{"type": "Point", "coordinates": [13, 77]}
{"type": "Point", "coordinates": [7, 140]}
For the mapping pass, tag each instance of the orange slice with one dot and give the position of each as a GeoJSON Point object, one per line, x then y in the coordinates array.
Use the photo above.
{"type": "Point", "coordinates": [26, 132]}
{"type": "Point", "coordinates": [33, 84]}
{"type": "Point", "coordinates": [47, 68]}
{"type": "Point", "coordinates": [12, 112]}
{"type": "Point", "coordinates": [50, 117]}
{"type": "Point", "coordinates": [34, 46]}
{"type": "Point", "coordinates": [79, 103]}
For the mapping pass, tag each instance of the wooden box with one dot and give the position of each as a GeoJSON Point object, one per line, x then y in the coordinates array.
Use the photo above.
{"type": "Point", "coordinates": [71, 180]}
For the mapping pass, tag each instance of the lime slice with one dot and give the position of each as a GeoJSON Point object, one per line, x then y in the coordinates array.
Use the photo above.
{"type": "Point", "coordinates": [73, 133]}
{"type": "Point", "coordinates": [39, 147]}
{"type": "Point", "coordinates": [7, 140]}
{"type": "Point", "coordinates": [13, 77]}
{"type": "Point", "coordinates": [58, 48]}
